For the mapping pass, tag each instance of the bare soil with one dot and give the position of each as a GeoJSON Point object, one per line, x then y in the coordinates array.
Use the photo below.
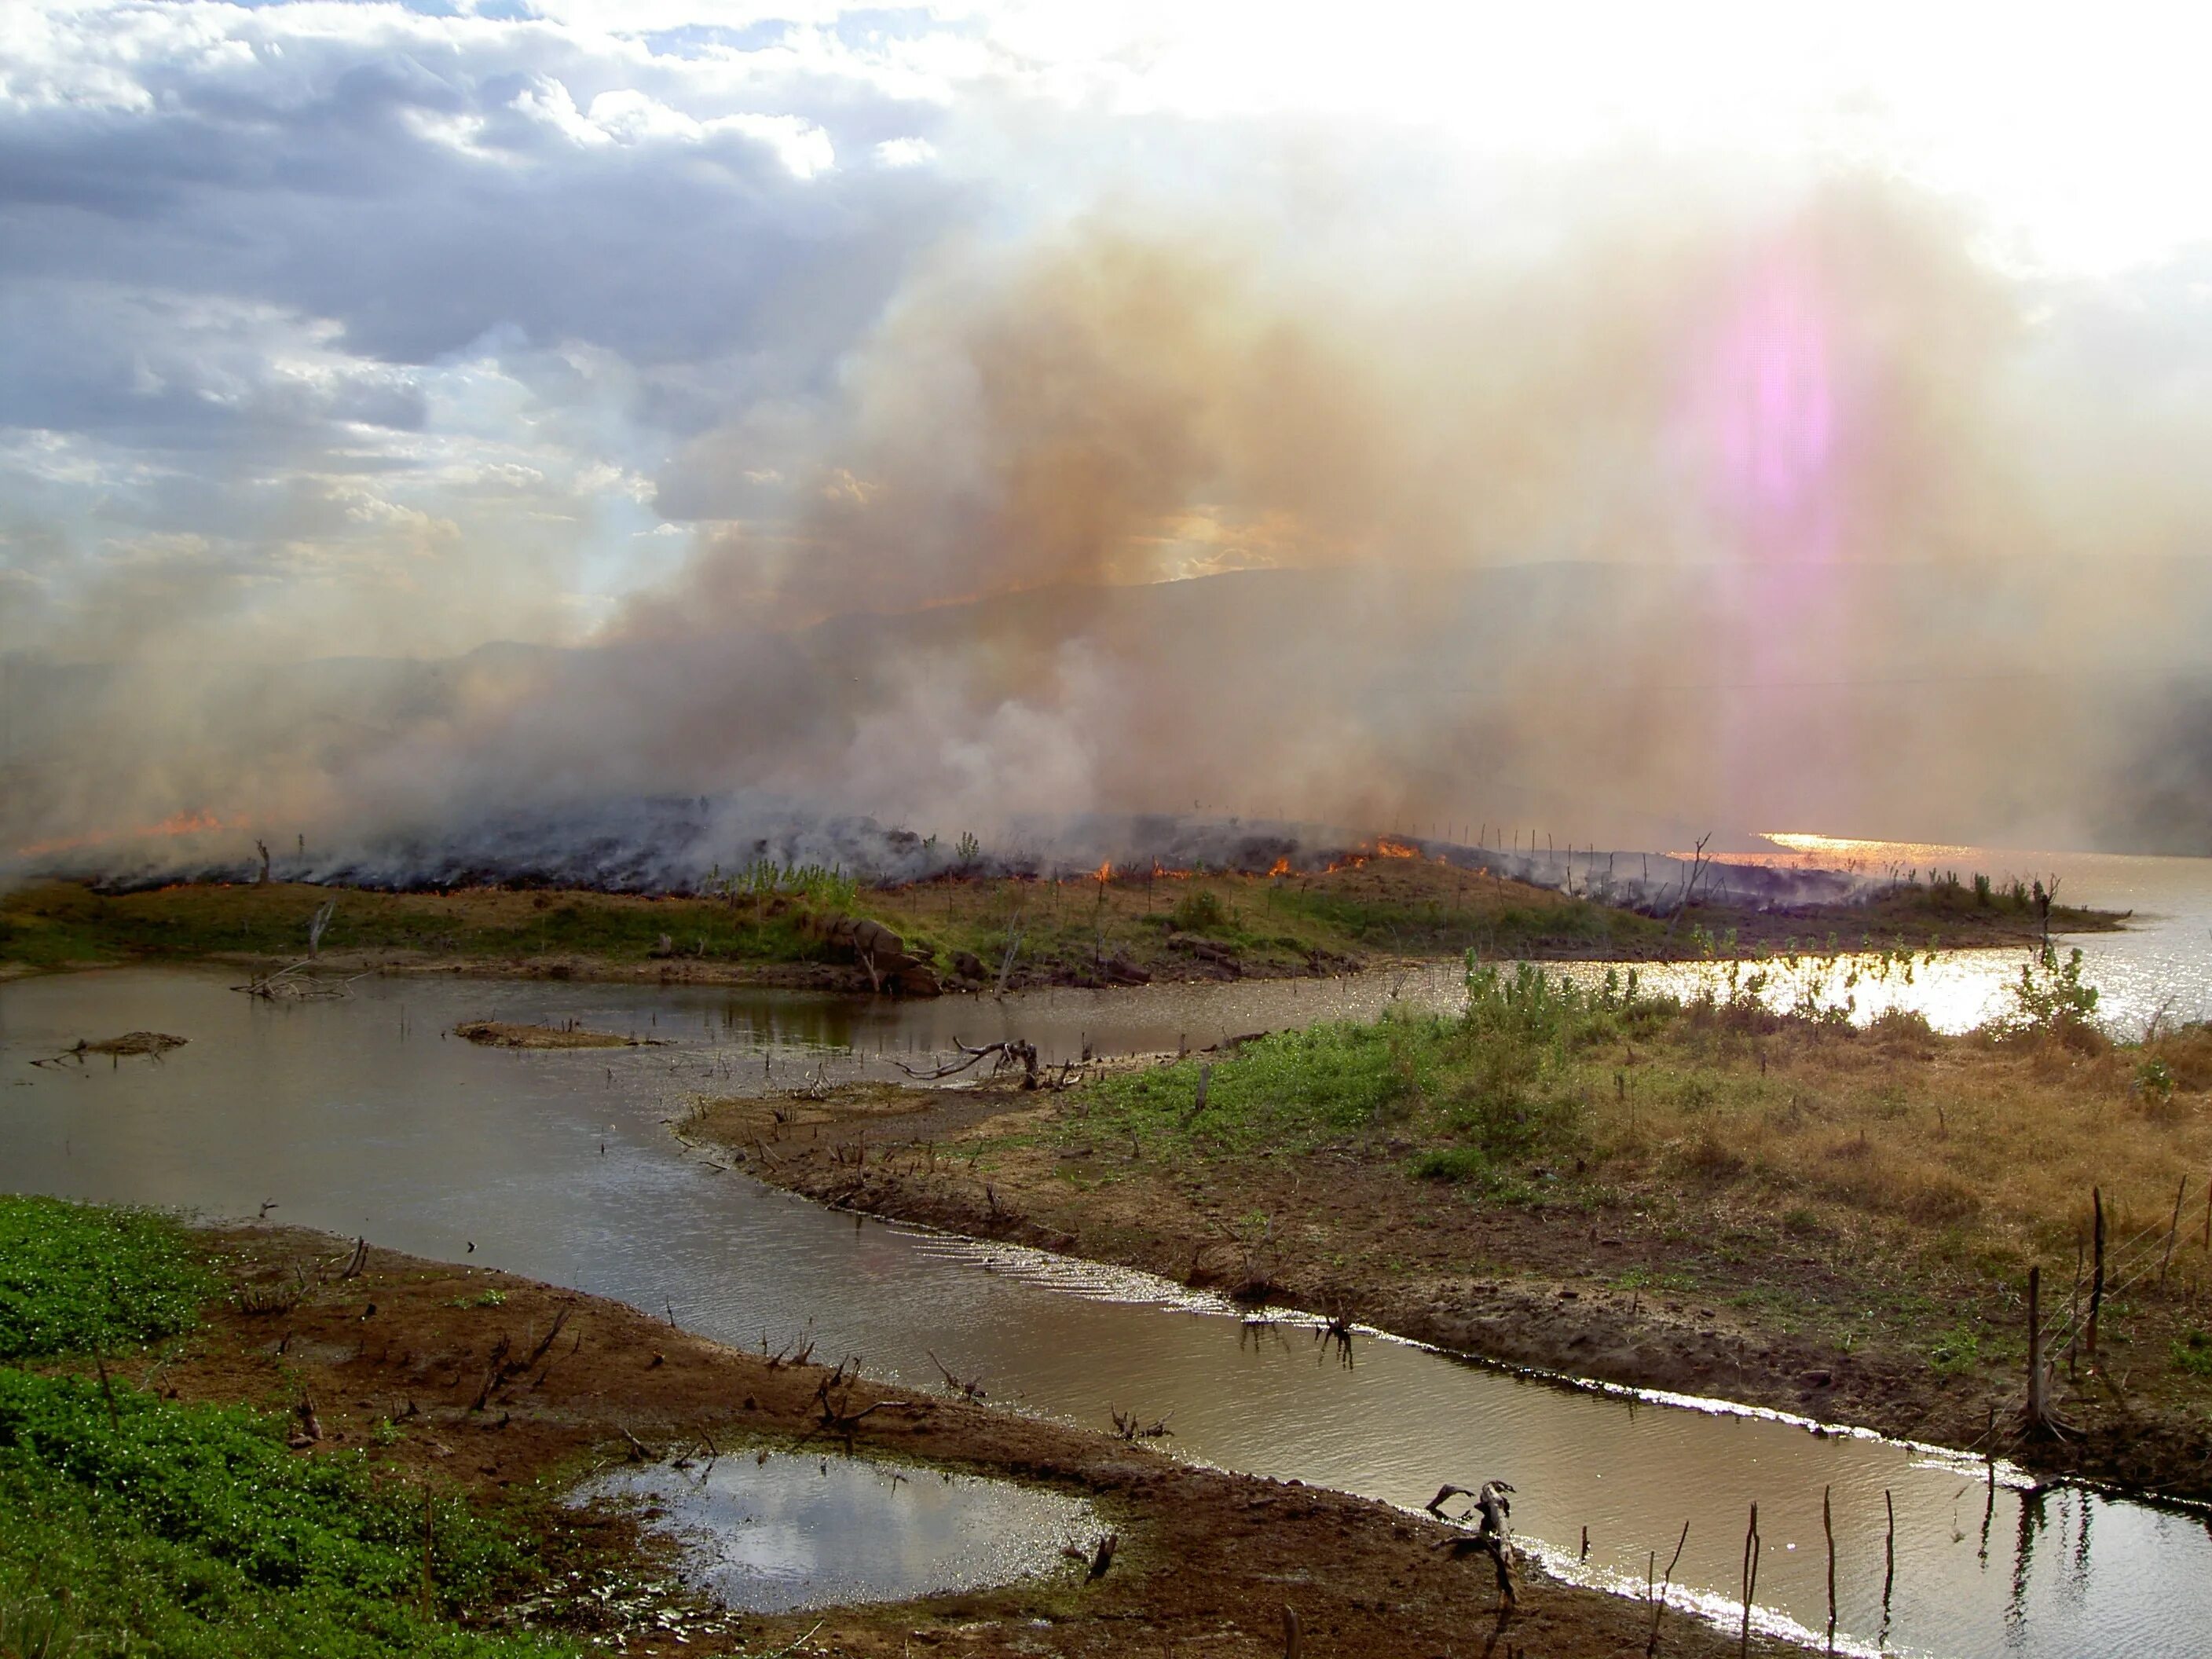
{"type": "Point", "coordinates": [395, 1360]}
{"type": "Point", "coordinates": [1575, 1290]}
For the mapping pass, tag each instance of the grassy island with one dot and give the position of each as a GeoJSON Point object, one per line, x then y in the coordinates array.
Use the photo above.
{"type": "Point", "coordinates": [783, 926]}
{"type": "Point", "coordinates": [1698, 1195]}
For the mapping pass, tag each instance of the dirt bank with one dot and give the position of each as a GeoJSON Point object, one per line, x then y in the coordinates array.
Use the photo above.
{"type": "Point", "coordinates": [396, 1360]}
{"type": "Point", "coordinates": [1706, 1296]}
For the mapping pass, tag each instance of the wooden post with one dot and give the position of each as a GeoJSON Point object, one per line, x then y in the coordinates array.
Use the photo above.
{"type": "Point", "coordinates": [2174, 1231]}
{"type": "Point", "coordinates": [1198, 1100]}
{"type": "Point", "coordinates": [2038, 1406]}
{"type": "Point", "coordinates": [1828, 1526]}
{"type": "Point", "coordinates": [2074, 1311]}
{"type": "Point", "coordinates": [2208, 1215]}
{"type": "Point", "coordinates": [1750, 1576]}
{"type": "Point", "coordinates": [2097, 1266]}
{"type": "Point", "coordinates": [1290, 1632]}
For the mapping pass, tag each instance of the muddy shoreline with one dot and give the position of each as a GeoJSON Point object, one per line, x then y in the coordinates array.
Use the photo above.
{"type": "Point", "coordinates": [1539, 1291]}
{"type": "Point", "coordinates": [395, 1358]}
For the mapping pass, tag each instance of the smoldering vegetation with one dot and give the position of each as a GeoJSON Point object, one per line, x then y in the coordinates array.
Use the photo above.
{"type": "Point", "coordinates": [1227, 721]}
{"type": "Point", "coordinates": [1170, 542]}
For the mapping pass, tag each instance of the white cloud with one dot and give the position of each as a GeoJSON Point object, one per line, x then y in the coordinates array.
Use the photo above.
{"type": "Point", "coordinates": [905, 152]}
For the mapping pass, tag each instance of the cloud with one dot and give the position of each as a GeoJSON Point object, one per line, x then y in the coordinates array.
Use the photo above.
{"type": "Point", "coordinates": [305, 279]}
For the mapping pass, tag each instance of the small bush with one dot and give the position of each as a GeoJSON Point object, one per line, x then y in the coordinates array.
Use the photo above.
{"type": "Point", "coordinates": [1905, 1026]}
{"type": "Point", "coordinates": [1201, 912]}
{"type": "Point", "coordinates": [1956, 1352]}
{"type": "Point", "coordinates": [1451, 1163]}
{"type": "Point", "coordinates": [78, 1278]}
{"type": "Point", "coordinates": [1713, 1159]}
{"type": "Point", "coordinates": [2049, 998]}
{"type": "Point", "coordinates": [2192, 1354]}
{"type": "Point", "coordinates": [1504, 1122]}
{"type": "Point", "coordinates": [1938, 1196]}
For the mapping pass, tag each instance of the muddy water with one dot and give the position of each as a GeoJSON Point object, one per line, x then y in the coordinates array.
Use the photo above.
{"type": "Point", "coordinates": [777, 1532]}
{"type": "Point", "coordinates": [360, 1116]}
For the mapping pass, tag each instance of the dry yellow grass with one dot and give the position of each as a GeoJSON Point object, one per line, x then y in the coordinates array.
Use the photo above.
{"type": "Point", "coordinates": [1982, 1150]}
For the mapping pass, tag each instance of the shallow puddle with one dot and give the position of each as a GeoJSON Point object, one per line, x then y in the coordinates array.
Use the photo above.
{"type": "Point", "coordinates": [774, 1532]}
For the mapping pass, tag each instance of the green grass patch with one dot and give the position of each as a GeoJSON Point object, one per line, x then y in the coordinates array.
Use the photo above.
{"type": "Point", "coordinates": [1438, 924]}
{"type": "Point", "coordinates": [1291, 1090]}
{"type": "Point", "coordinates": [2193, 1353]}
{"type": "Point", "coordinates": [1956, 1352]}
{"type": "Point", "coordinates": [146, 1526]}
{"type": "Point", "coordinates": [78, 1278]}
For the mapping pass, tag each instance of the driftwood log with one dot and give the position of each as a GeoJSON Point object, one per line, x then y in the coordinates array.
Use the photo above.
{"type": "Point", "coordinates": [1010, 1052]}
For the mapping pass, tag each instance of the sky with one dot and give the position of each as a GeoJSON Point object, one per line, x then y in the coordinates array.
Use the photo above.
{"type": "Point", "coordinates": [305, 304]}
{"type": "Point", "coordinates": [336, 328]}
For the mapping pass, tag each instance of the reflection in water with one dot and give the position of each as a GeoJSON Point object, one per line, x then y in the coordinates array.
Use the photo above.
{"type": "Point", "coordinates": [772, 1532]}
{"type": "Point", "coordinates": [361, 1116]}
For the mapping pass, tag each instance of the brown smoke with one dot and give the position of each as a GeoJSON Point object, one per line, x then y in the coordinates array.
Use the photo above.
{"type": "Point", "coordinates": [1686, 514]}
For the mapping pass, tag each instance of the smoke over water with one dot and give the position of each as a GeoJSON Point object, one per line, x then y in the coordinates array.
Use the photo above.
{"type": "Point", "coordinates": [1651, 513]}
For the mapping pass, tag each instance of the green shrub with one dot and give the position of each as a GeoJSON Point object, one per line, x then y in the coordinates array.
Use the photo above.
{"type": "Point", "coordinates": [75, 1278]}
{"type": "Point", "coordinates": [2049, 996]}
{"type": "Point", "coordinates": [2192, 1354]}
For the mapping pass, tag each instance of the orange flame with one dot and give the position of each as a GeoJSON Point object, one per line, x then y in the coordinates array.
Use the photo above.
{"type": "Point", "coordinates": [1282, 867]}
{"type": "Point", "coordinates": [1396, 849]}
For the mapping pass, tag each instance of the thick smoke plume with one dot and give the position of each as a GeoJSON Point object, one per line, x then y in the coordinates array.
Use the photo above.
{"type": "Point", "coordinates": [1652, 517]}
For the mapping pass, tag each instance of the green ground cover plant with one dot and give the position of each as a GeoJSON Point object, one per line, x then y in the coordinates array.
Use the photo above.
{"type": "Point", "coordinates": [132, 1524]}
{"type": "Point", "coordinates": [74, 1278]}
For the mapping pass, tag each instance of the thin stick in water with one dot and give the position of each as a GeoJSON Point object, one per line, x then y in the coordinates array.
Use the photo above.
{"type": "Point", "coordinates": [1828, 1526]}
{"type": "Point", "coordinates": [1750, 1576]}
